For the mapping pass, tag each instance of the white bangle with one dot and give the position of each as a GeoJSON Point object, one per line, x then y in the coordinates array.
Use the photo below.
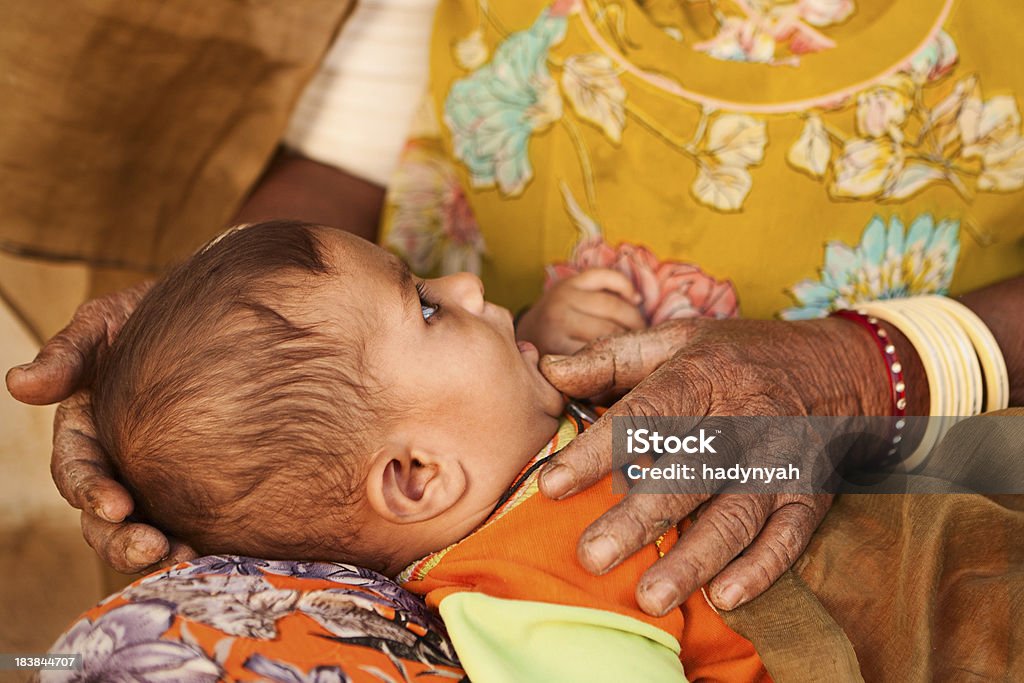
{"type": "Point", "coordinates": [965, 368]}
{"type": "Point", "coordinates": [990, 357]}
{"type": "Point", "coordinates": [962, 379]}
{"type": "Point", "coordinates": [969, 370]}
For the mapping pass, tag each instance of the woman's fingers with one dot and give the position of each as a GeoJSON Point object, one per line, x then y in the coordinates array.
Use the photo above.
{"type": "Point", "coordinates": [179, 552]}
{"type": "Point", "coordinates": [59, 367]}
{"type": "Point", "coordinates": [784, 537]}
{"type": "Point", "coordinates": [589, 456]}
{"type": "Point", "coordinates": [727, 525]}
{"type": "Point", "coordinates": [635, 522]}
{"type": "Point", "coordinates": [616, 363]}
{"type": "Point", "coordinates": [128, 548]}
{"type": "Point", "coordinates": [80, 468]}
{"type": "Point", "coordinates": [65, 362]}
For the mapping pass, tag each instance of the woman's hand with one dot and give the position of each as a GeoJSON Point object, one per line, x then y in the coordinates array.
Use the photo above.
{"type": "Point", "coordinates": [62, 371]}
{"type": "Point", "coordinates": [66, 362]}
{"type": "Point", "coordinates": [740, 543]}
{"type": "Point", "coordinates": [596, 303]}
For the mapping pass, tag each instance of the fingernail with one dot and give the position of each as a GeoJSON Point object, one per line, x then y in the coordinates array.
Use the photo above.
{"type": "Point", "coordinates": [16, 369]}
{"type": "Point", "coordinates": [662, 596]}
{"type": "Point", "coordinates": [557, 481]}
{"type": "Point", "coordinates": [98, 511]}
{"type": "Point", "coordinates": [730, 596]}
{"type": "Point", "coordinates": [604, 552]}
{"type": "Point", "coordinates": [138, 556]}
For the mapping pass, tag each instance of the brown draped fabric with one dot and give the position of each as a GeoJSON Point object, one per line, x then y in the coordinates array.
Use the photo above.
{"type": "Point", "coordinates": [914, 587]}
{"type": "Point", "coordinates": [130, 131]}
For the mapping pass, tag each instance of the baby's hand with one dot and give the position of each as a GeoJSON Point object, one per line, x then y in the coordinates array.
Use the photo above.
{"type": "Point", "coordinates": [575, 311]}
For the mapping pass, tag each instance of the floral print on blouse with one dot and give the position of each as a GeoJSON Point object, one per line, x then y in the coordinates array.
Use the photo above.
{"type": "Point", "coordinates": [762, 141]}
{"type": "Point", "coordinates": [242, 619]}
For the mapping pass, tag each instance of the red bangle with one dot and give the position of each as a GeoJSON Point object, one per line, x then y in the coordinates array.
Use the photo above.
{"type": "Point", "coordinates": [893, 367]}
{"type": "Point", "coordinates": [894, 370]}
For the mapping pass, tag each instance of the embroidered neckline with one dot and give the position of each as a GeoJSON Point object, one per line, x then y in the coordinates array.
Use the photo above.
{"type": "Point", "coordinates": [883, 40]}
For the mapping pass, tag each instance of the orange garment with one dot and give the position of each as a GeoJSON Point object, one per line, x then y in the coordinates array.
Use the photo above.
{"type": "Point", "coordinates": [527, 551]}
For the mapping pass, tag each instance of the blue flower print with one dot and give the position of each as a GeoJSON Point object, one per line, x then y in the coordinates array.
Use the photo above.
{"type": "Point", "coordinates": [889, 263]}
{"type": "Point", "coordinates": [493, 112]}
{"type": "Point", "coordinates": [282, 672]}
{"type": "Point", "coordinates": [125, 645]}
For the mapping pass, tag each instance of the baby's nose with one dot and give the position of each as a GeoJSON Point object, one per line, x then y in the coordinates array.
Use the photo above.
{"type": "Point", "coordinates": [467, 290]}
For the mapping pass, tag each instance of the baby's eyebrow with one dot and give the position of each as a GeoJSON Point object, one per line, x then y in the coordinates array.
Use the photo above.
{"type": "Point", "coordinates": [403, 276]}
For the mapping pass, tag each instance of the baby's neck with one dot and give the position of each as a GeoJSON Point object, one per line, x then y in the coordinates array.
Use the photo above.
{"type": "Point", "coordinates": [404, 544]}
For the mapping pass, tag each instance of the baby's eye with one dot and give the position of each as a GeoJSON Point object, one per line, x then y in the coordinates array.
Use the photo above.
{"type": "Point", "coordinates": [428, 308]}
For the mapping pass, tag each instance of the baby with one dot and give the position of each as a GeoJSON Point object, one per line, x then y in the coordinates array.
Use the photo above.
{"type": "Point", "coordinates": [295, 392]}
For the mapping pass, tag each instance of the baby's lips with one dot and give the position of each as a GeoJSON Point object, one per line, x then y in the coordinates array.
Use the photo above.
{"type": "Point", "coordinates": [529, 353]}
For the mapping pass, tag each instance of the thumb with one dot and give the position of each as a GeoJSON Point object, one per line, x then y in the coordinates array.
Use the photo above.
{"type": "Point", "coordinates": [66, 361]}
{"type": "Point", "coordinates": [616, 363]}
{"type": "Point", "coordinates": [57, 371]}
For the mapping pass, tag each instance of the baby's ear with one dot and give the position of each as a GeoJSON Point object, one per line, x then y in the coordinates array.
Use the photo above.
{"type": "Point", "coordinates": [407, 484]}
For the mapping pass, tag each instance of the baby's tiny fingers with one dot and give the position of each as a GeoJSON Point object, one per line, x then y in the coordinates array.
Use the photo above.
{"type": "Point", "coordinates": [598, 279]}
{"type": "Point", "coordinates": [586, 328]}
{"type": "Point", "coordinates": [611, 307]}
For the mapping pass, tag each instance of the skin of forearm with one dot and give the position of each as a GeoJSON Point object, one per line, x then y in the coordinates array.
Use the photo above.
{"type": "Point", "coordinates": [294, 187]}
{"type": "Point", "coordinates": [1001, 307]}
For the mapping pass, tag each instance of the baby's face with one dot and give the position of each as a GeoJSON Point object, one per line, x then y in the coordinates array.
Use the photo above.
{"type": "Point", "coordinates": [448, 358]}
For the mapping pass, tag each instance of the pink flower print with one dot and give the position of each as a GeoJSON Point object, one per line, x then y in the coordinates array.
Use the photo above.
{"type": "Point", "coordinates": [935, 60]}
{"type": "Point", "coordinates": [434, 229]}
{"type": "Point", "coordinates": [668, 289]}
{"type": "Point", "coordinates": [825, 12]}
{"type": "Point", "coordinates": [759, 29]}
{"type": "Point", "coordinates": [686, 292]}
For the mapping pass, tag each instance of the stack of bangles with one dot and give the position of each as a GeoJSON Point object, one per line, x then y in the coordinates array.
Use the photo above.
{"type": "Point", "coordinates": [965, 369]}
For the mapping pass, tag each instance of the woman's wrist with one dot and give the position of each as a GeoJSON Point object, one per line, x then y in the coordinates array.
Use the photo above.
{"type": "Point", "coordinates": [307, 190]}
{"type": "Point", "coordinates": [999, 307]}
{"type": "Point", "coordinates": [849, 376]}
{"type": "Point", "coordinates": [914, 376]}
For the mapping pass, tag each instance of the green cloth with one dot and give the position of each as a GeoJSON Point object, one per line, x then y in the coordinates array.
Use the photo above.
{"type": "Point", "coordinates": [510, 641]}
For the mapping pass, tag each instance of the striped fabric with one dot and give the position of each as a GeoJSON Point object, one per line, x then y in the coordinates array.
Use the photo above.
{"type": "Point", "coordinates": [355, 113]}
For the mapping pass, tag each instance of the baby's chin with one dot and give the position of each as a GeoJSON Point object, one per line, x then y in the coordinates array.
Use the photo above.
{"type": "Point", "coordinates": [552, 401]}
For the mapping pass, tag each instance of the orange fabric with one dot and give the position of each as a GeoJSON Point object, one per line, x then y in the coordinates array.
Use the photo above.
{"type": "Point", "coordinates": [230, 618]}
{"type": "Point", "coordinates": [529, 553]}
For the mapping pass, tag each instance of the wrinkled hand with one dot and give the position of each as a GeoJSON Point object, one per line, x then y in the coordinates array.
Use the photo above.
{"type": "Point", "coordinates": [741, 543]}
{"type": "Point", "coordinates": [62, 371]}
{"type": "Point", "coordinates": [596, 303]}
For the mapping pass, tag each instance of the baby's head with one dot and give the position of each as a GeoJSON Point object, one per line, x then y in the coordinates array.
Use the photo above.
{"type": "Point", "coordinates": [292, 391]}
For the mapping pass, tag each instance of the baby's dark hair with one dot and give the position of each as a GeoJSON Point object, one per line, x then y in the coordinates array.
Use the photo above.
{"type": "Point", "coordinates": [223, 414]}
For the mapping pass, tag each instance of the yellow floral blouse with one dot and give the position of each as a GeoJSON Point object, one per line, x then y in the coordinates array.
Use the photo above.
{"type": "Point", "coordinates": [813, 153]}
